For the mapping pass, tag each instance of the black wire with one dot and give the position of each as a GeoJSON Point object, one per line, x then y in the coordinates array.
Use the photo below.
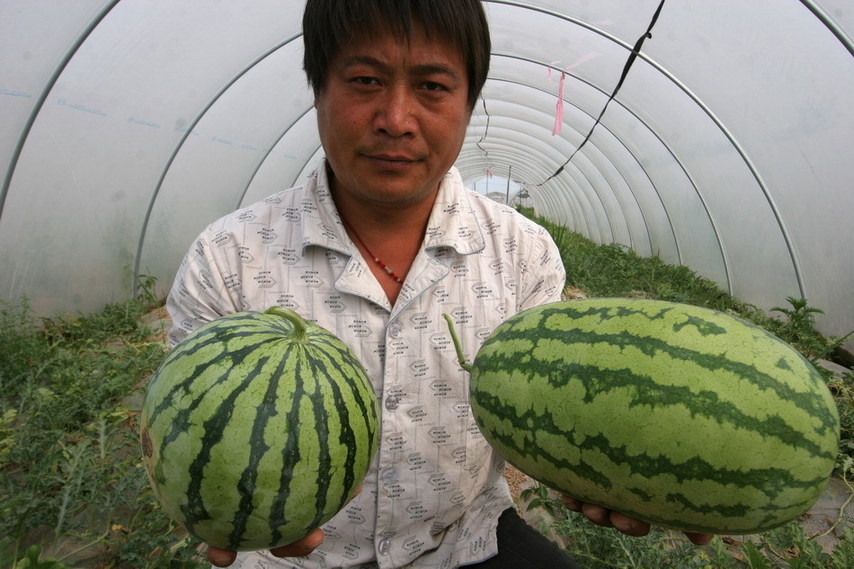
{"type": "Point", "coordinates": [632, 57]}
{"type": "Point", "coordinates": [485, 130]}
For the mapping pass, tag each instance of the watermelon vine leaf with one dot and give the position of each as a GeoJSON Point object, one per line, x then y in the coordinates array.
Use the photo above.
{"type": "Point", "coordinates": [754, 558]}
{"type": "Point", "coordinates": [32, 560]}
{"type": "Point", "coordinates": [457, 346]}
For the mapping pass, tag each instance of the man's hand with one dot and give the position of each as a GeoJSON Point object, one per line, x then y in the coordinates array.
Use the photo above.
{"type": "Point", "coordinates": [301, 548]}
{"type": "Point", "coordinates": [629, 526]}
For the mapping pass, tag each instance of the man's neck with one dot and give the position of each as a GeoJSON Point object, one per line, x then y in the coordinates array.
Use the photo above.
{"type": "Point", "coordinates": [389, 236]}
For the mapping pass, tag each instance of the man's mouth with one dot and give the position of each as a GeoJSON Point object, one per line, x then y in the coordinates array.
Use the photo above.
{"type": "Point", "coordinates": [395, 158]}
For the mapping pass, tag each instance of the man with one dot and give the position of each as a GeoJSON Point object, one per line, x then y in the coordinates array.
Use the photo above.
{"type": "Point", "coordinates": [380, 241]}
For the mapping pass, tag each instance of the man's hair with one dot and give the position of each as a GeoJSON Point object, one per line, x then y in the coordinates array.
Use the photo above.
{"type": "Point", "coordinates": [329, 24]}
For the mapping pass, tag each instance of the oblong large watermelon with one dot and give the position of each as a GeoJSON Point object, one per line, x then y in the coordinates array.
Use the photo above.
{"type": "Point", "coordinates": [258, 428]}
{"type": "Point", "coordinates": [676, 415]}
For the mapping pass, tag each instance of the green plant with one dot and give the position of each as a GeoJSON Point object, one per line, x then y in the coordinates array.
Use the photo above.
{"type": "Point", "coordinates": [615, 270]}
{"type": "Point", "coordinates": [70, 389]}
{"type": "Point", "coordinates": [799, 329]}
{"type": "Point", "coordinates": [785, 547]}
{"type": "Point", "coordinates": [145, 290]}
{"type": "Point", "coordinates": [32, 559]}
{"type": "Point", "coordinates": [69, 448]}
{"type": "Point", "coordinates": [842, 387]}
{"type": "Point", "coordinates": [23, 352]}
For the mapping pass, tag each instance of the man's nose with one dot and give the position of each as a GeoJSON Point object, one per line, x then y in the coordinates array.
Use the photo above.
{"type": "Point", "coordinates": [395, 116]}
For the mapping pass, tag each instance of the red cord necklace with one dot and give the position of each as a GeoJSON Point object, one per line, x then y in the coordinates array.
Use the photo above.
{"type": "Point", "coordinates": [376, 259]}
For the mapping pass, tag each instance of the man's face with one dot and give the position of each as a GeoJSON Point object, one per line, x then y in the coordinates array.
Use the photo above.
{"type": "Point", "coordinates": [392, 117]}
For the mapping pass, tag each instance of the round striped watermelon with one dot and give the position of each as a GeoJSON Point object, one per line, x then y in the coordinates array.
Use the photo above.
{"type": "Point", "coordinates": [676, 415]}
{"type": "Point", "coordinates": [258, 428]}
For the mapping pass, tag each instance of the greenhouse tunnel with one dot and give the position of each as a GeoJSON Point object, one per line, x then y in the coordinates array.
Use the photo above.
{"type": "Point", "coordinates": [717, 135]}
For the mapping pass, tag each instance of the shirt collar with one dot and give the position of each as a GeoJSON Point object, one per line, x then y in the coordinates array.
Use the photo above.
{"type": "Point", "coordinates": [452, 223]}
{"type": "Point", "coordinates": [322, 226]}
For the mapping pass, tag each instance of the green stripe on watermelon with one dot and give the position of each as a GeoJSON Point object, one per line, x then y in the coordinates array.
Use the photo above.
{"type": "Point", "coordinates": [257, 429]}
{"type": "Point", "coordinates": [675, 414]}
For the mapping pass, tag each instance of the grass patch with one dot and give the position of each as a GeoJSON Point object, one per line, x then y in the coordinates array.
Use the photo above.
{"type": "Point", "coordinates": [73, 491]}
{"type": "Point", "coordinates": [614, 270]}
{"type": "Point", "coordinates": [786, 547]}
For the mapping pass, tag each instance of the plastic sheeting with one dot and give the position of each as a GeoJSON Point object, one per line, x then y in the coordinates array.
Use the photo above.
{"type": "Point", "coordinates": [126, 126]}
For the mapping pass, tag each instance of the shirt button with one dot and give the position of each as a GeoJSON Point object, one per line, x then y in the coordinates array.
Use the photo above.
{"type": "Point", "coordinates": [384, 546]}
{"type": "Point", "coordinates": [394, 329]}
{"type": "Point", "coordinates": [392, 402]}
{"type": "Point", "coordinates": [389, 475]}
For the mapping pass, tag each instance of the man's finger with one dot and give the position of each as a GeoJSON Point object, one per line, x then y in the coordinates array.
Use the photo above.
{"type": "Point", "coordinates": [699, 538]}
{"type": "Point", "coordinates": [597, 514]}
{"type": "Point", "coordinates": [571, 503]}
{"type": "Point", "coordinates": [220, 557]}
{"type": "Point", "coordinates": [300, 548]}
{"type": "Point", "coordinates": [629, 526]}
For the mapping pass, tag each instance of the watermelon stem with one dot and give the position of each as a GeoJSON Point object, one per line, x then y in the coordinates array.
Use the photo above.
{"type": "Point", "coordinates": [299, 323]}
{"type": "Point", "coordinates": [457, 346]}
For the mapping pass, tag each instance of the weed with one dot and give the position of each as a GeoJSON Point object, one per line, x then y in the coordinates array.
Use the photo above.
{"type": "Point", "coordinates": [145, 290]}
{"type": "Point", "coordinates": [799, 329]}
{"type": "Point", "coordinates": [22, 351]}
{"type": "Point", "coordinates": [842, 388]}
{"type": "Point", "coordinates": [600, 548]}
{"type": "Point", "coordinates": [615, 270]}
{"type": "Point", "coordinates": [74, 493]}
{"type": "Point", "coordinates": [32, 559]}
{"type": "Point", "coordinates": [73, 490]}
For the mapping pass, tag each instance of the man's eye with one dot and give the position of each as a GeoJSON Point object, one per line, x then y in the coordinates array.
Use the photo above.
{"type": "Point", "coordinates": [433, 86]}
{"type": "Point", "coordinates": [365, 80]}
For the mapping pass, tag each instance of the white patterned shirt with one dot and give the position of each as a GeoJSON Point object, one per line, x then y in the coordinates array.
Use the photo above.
{"type": "Point", "coordinates": [433, 496]}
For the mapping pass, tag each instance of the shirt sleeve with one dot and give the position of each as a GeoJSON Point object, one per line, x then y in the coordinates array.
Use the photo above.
{"type": "Point", "coordinates": [545, 277]}
{"type": "Point", "coordinates": [199, 293]}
